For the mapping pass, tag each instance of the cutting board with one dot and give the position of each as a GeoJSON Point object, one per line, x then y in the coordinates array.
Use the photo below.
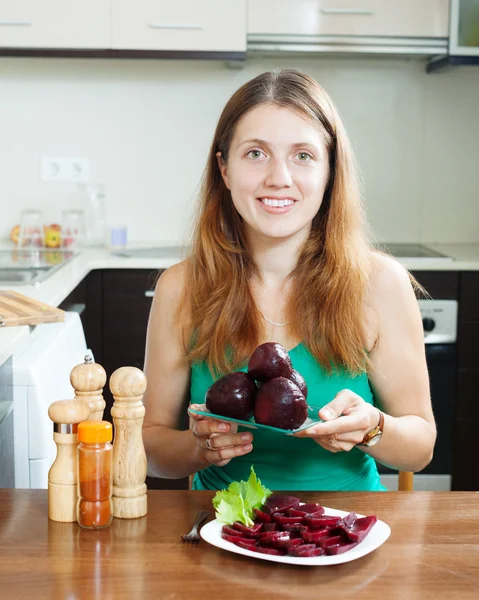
{"type": "Point", "coordinates": [17, 309]}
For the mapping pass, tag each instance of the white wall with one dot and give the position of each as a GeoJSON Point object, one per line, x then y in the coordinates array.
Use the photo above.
{"type": "Point", "coordinates": [146, 127]}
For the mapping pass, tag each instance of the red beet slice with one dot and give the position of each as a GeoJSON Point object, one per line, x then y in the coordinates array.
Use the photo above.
{"type": "Point", "coordinates": [310, 509]}
{"type": "Point", "coordinates": [234, 539]}
{"type": "Point", "coordinates": [295, 528]}
{"type": "Point", "coordinates": [340, 548]}
{"type": "Point", "coordinates": [261, 516]}
{"type": "Point", "coordinates": [250, 531]}
{"type": "Point", "coordinates": [314, 536]}
{"type": "Point", "coordinates": [230, 531]}
{"type": "Point", "coordinates": [322, 521]}
{"type": "Point", "coordinates": [282, 520]}
{"type": "Point", "coordinates": [246, 546]}
{"type": "Point", "coordinates": [330, 541]}
{"type": "Point", "coordinates": [310, 553]}
{"type": "Point", "coordinates": [273, 551]}
{"type": "Point", "coordinates": [288, 544]}
{"type": "Point", "coordinates": [270, 527]}
{"type": "Point", "coordinates": [361, 528]}
{"type": "Point", "coordinates": [348, 520]}
{"type": "Point", "coordinates": [279, 503]}
{"type": "Point", "coordinates": [266, 539]}
{"type": "Point", "coordinates": [302, 548]}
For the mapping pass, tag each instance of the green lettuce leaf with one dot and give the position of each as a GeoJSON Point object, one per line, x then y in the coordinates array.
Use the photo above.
{"type": "Point", "coordinates": [238, 501]}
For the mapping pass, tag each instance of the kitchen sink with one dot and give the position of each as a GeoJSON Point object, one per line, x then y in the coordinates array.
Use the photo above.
{"type": "Point", "coordinates": [27, 267]}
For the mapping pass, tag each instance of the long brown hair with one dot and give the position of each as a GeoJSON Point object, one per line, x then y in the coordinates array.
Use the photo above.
{"type": "Point", "coordinates": [330, 280]}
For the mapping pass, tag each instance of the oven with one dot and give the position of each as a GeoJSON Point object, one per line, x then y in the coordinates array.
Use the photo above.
{"type": "Point", "coordinates": [439, 319]}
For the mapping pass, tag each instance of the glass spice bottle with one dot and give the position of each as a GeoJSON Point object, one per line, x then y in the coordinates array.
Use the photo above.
{"type": "Point", "coordinates": [95, 453]}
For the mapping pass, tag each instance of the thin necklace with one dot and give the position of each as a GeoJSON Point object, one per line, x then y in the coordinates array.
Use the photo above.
{"type": "Point", "coordinates": [272, 322]}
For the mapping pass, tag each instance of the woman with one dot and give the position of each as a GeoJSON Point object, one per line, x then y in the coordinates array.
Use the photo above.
{"type": "Point", "coordinates": [281, 253]}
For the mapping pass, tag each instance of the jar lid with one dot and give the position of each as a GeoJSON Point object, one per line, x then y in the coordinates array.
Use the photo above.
{"type": "Point", "coordinates": [95, 432]}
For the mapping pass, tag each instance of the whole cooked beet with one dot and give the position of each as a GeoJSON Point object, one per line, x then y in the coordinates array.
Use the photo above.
{"type": "Point", "coordinates": [232, 395]}
{"type": "Point", "coordinates": [269, 360]}
{"type": "Point", "coordinates": [298, 379]}
{"type": "Point", "coordinates": [280, 403]}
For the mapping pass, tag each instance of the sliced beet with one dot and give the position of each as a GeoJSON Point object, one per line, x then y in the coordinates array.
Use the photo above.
{"type": "Point", "coordinates": [295, 528]}
{"type": "Point", "coordinates": [315, 535]}
{"type": "Point", "coordinates": [248, 546]}
{"type": "Point", "coordinates": [326, 541]}
{"type": "Point", "coordinates": [261, 516]}
{"type": "Point", "coordinates": [274, 551]}
{"type": "Point", "coordinates": [269, 538]}
{"type": "Point", "coordinates": [279, 503]}
{"type": "Point", "coordinates": [361, 528]}
{"type": "Point", "coordinates": [340, 548]}
{"type": "Point", "coordinates": [282, 520]}
{"type": "Point", "coordinates": [348, 520]}
{"type": "Point", "coordinates": [234, 539]}
{"type": "Point", "coordinates": [309, 509]}
{"type": "Point", "coordinates": [288, 544]}
{"type": "Point", "coordinates": [270, 527]}
{"type": "Point", "coordinates": [310, 553]}
{"type": "Point", "coordinates": [321, 521]}
{"type": "Point", "coordinates": [230, 531]}
{"type": "Point", "coordinates": [302, 548]}
{"type": "Point", "coordinates": [250, 531]}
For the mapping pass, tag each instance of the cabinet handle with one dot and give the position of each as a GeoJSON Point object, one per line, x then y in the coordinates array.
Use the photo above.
{"type": "Point", "coordinates": [347, 11]}
{"type": "Point", "coordinates": [187, 26]}
{"type": "Point", "coordinates": [149, 293]}
{"type": "Point", "coordinates": [15, 23]}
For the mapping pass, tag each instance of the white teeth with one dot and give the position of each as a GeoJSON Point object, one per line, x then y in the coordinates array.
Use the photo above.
{"type": "Point", "coordinates": [278, 203]}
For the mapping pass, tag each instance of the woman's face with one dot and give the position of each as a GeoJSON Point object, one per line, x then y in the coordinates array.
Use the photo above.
{"type": "Point", "coordinates": [277, 172]}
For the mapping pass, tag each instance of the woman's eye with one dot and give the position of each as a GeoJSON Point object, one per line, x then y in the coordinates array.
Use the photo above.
{"type": "Point", "coordinates": [304, 156]}
{"type": "Point", "coordinates": [255, 153]}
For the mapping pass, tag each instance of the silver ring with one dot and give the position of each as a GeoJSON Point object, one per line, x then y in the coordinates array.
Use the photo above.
{"type": "Point", "coordinates": [208, 444]}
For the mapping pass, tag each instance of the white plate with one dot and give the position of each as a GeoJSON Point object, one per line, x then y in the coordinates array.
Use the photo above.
{"type": "Point", "coordinates": [211, 533]}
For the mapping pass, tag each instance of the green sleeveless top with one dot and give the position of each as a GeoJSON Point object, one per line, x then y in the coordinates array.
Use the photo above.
{"type": "Point", "coordinates": [285, 462]}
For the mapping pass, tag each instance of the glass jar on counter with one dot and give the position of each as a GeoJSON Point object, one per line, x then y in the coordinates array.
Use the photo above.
{"type": "Point", "coordinates": [95, 453]}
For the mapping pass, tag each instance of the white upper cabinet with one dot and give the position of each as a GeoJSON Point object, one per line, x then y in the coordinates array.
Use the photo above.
{"type": "Point", "coordinates": [375, 18]}
{"type": "Point", "coordinates": [191, 25]}
{"type": "Point", "coordinates": [54, 24]}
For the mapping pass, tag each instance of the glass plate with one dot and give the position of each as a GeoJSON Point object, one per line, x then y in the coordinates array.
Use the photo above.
{"type": "Point", "coordinates": [311, 420]}
{"type": "Point", "coordinates": [211, 533]}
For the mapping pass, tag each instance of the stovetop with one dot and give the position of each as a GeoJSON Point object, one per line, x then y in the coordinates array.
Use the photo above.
{"type": "Point", "coordinates": [414, 251]}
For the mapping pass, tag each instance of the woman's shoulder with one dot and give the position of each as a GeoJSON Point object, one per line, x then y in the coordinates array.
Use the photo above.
{"type": "Point", "coordinates": [390, 284]}
{"type": "Point", "coordinates": [171, 282]}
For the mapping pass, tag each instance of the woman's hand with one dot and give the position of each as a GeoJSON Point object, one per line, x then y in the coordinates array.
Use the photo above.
{"type": "Point", "coordinates": [219, 441]}
{"type": "Point", "coordinates": [357, 418]}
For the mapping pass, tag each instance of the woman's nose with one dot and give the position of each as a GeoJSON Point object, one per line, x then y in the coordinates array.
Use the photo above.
{"type": "Point", "coordinates": [278, 174]}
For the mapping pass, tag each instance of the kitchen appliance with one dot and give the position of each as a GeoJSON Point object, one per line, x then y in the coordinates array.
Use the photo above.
{"type": "Point", "coordinates": [20, 266]}
{"type": "Point", "coordinates": [41, 375]}
{"type": "Point", "coordinates": [415, 252]}
{"type": "Point", "coordinates": [439, 318]}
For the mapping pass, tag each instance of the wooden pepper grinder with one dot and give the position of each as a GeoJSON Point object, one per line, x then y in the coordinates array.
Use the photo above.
{"type": "Point", "coordinates": [62, 477]}
{"type": "Point", "coordinates": [88, 380]}
{"type": "Point", "coordinates": [128, 385]}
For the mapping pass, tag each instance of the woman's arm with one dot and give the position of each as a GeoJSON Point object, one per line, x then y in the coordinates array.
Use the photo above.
{"type": "Point", "coordinates": [172, 453]}
{"type": "Point", "coordinates": [399, 380]}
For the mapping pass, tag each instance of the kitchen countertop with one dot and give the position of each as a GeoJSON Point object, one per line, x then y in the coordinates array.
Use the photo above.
{"type": "Point", "coordinates": [432, 552]}
{"type": "Point", "coordinates": [57, 287]}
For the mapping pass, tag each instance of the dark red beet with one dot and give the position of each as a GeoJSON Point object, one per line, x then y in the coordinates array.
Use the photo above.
{"type": "Point", "coordinates": [274, 551]}
{"type": "Point", "coordinates": [326, 541]}
{"type": "Point", "coordinates": [279, 503]}
{"type": "Point", "coordinates": [249, 531]}
{"type": "Point", "coordinates": [340, 548]}
{"type": "Point", "coordinates": [261, 516]}
{"type": "Point", "coordinates": [296, 528]}
{"type": "Point", "coordinates": [280, 403]}
{"type": "Point", "coordinates": [248, 546]}
{"type": "Point", "coordinates": [230, 531]}
{"type": "Point", "coordinates": [269, 527]}
{"type": "Point", "coordinates": [283, 520]}
{"type": "Point", "coordinates": [233, 395]}
{"type": "Point", "coordinates": [298, 379]}
{"type": "Point", "coordinates": [269, 360]}
{"type": "Point", "coordinates": [233, 538]}
{"type": "Point", "coordinates": [310, 553]}
{"type": "Point", "coordinates": [321, 521]}
{"type": "Point", "coordinates": [361, 528]}
{"type": "Point", "coordinates": [348, 520]}
{"type": "Point", "coordinates": [315, 535]}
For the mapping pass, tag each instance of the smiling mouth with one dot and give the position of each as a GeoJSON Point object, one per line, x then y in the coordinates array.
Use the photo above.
{"type": "Point", "coordinates": [277, 203]}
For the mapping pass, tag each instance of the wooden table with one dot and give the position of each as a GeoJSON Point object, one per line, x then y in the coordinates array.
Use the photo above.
{"type": "Point", "coordinates": [433, 553]}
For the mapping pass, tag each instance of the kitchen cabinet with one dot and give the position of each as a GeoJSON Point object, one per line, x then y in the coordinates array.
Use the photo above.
{"type": "Point", "coordinates": [401, 18]}
{"type": "Point", "coordinates": [54, 24]}
{"type": "Point", "coordinates": [185, 25]}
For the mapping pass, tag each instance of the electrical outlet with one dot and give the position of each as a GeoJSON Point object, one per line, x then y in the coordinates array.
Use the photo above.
{"type": "Point", "coordinates": [65, 169]}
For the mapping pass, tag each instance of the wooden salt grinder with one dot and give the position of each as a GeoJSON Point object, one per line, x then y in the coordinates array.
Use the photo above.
{"type": "Point", "coordinates": [62, 477]}
{"type": "Point", "coordinates": [88, 380]}
{"type": "Point", "coordinates": [128, 384]}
